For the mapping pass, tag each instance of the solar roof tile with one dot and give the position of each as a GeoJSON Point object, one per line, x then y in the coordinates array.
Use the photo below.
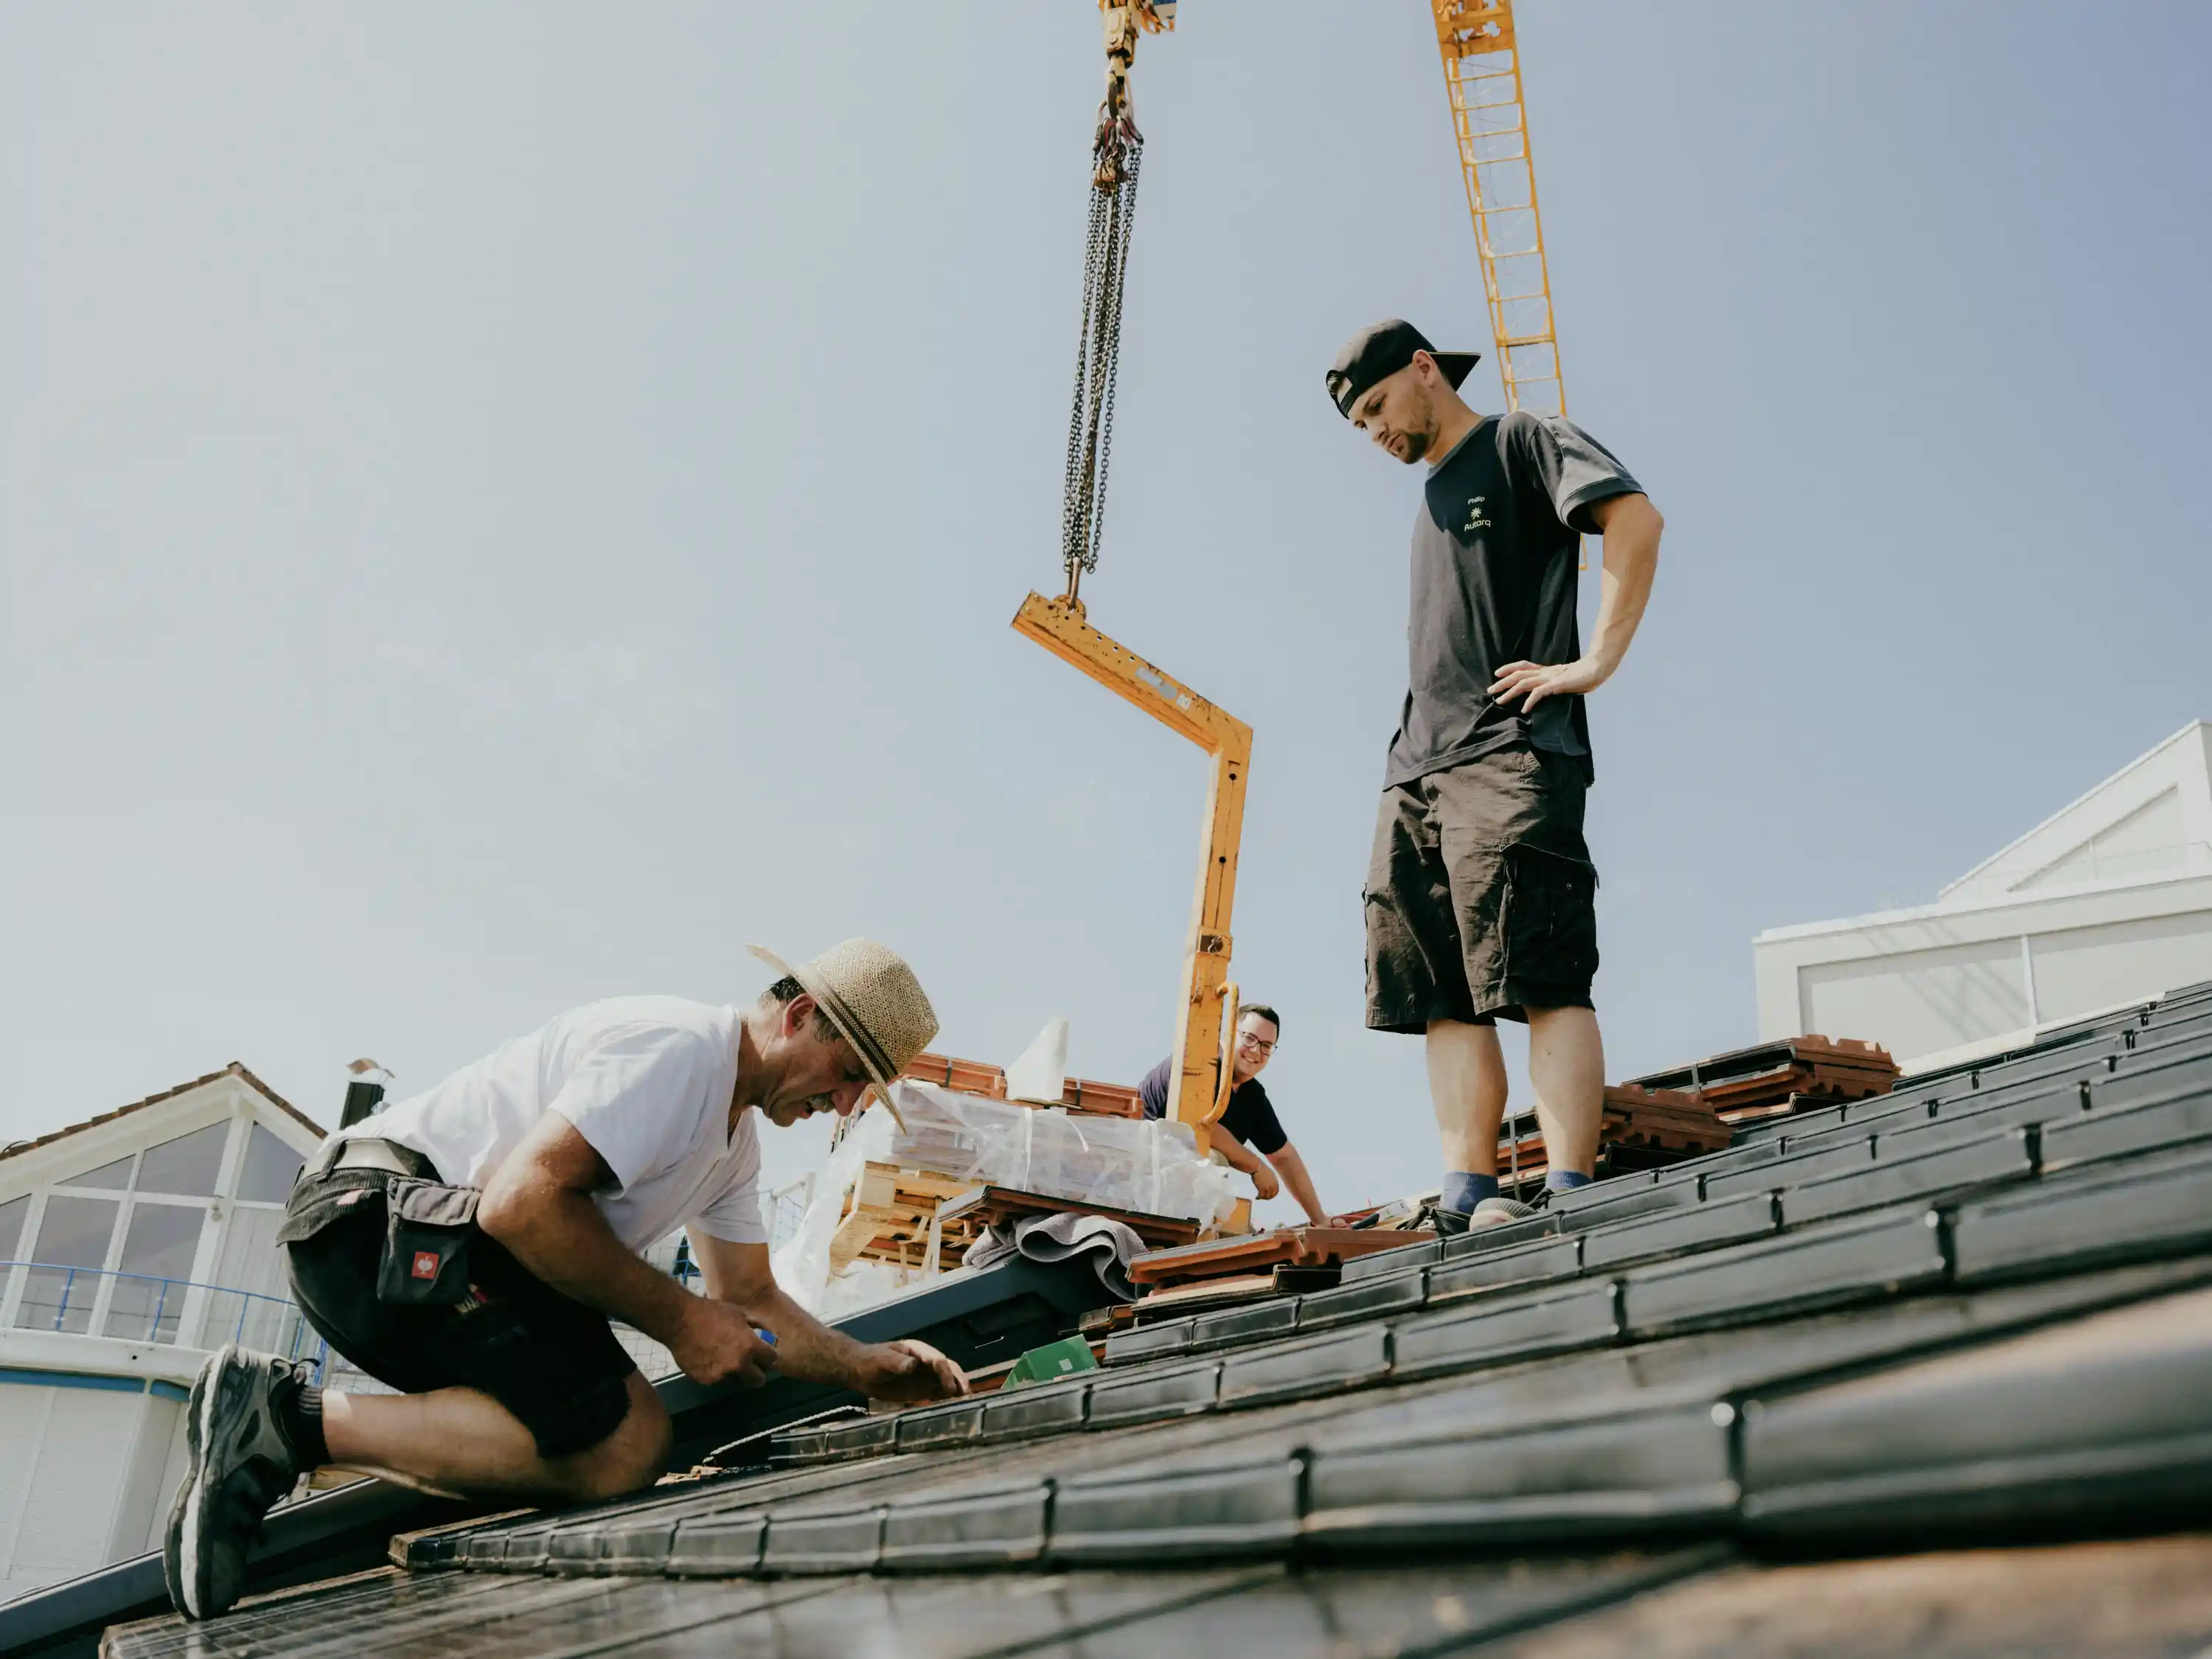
{"type": "Point", "coordinates": [2126, 1130]}
{"type": "Point", "coordinates": [830, 1541]}
{"type": "Point", "coordinates": [2007, 1155]}
{"type": "Point", "coordinates": [2103, 1213]}
{"type": "Point", "coordinates": [1557, 1320]}
{"type": "Point", "coordinates": [1873, 1255]}
{"type": "Point", "coordinates": [1368, 1299]}
{"type": "Point", "coordinates": [1623, 1468]}
{"type": "Point", "coordinates": [1220, 1509]}
{"type": "Point", "coordinates": [1293, 1370]}
{"type": "Point", "coordinates": [717, 1546]}
{"type": "Point", "coordinates": [1721, 1221]}
{"type": "Point", "coordinates": [1152, 1395]}
{"type": "Point", "coordinates": [1533, 1263]}
{"type": "Point", "coordinates": [992, 1526]}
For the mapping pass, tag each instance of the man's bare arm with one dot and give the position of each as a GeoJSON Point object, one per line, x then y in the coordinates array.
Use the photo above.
{"type": "Point", "coordinates": [1292, 1169]}
{"type": "Point", "coordinates": [539, 1205]}
{"type": "Point", "coordinates": [1632, 527]}
{"type": "Point", "coordinates": [1239, 1156]}
{"type": "Point", "coordinates": [738, 1275]}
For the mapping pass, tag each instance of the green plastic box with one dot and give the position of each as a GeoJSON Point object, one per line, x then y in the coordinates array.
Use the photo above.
{"type": "Point", "coordinates": [1050, 1363]}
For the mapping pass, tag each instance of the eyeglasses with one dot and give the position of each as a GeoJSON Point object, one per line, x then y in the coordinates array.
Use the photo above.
{"type": "Point", "coordinates": [1246, 1039]}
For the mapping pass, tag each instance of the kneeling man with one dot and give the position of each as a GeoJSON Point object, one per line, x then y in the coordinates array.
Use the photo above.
{"type": "Point", "coordinates": [468, 1247]}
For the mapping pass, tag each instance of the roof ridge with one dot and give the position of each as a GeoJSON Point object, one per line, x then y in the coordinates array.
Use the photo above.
{"type": "Point", "coordinates": [236, 1068]}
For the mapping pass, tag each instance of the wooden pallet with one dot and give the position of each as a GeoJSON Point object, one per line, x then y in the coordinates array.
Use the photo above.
{"type": "Point", "coordinates": [895, 1215]}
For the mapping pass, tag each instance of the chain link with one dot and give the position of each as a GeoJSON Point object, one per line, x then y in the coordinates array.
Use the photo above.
{"type": "Point", "coordinates": [1117, 156]}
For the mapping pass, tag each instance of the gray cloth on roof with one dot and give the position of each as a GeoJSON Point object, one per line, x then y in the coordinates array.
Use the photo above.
{"type": "Point", "coordinates": [1110, 1246]}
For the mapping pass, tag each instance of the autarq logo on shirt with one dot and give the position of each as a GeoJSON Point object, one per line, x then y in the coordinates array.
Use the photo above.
{"type": "Point", "coordinates": [1476, 519]}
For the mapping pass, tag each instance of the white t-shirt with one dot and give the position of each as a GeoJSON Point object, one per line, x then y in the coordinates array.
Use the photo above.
{"type": "Point", "coordinates": [647, 1080]}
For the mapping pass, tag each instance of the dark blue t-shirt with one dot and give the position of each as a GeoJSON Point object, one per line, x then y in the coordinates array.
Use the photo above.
{"type": "Point", "coordinates": [1493, 582]}
{"type": "Point", "coordinates": [1249, 1115]}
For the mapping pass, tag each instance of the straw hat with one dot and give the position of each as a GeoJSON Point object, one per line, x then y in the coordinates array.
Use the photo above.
{"type": "Point", "coordinates": [869, 994]}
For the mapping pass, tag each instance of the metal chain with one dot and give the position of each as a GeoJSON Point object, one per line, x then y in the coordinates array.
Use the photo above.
{"type": "Point", "coordinates": [1116, 156]}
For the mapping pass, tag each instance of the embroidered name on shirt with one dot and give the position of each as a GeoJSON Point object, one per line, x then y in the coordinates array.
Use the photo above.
{"type": "Point", "coordinates": [1475, 520]}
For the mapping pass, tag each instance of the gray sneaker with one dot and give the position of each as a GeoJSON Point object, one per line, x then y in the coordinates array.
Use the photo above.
{"type": "Point", "coordinates": [1499, 1212]}
{"type": "Point", "coordinates": [239, 1465]}
{"type": "Point", "coordinates": [1489, 1213]}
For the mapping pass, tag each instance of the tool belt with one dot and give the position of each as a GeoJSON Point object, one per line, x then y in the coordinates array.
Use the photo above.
{"type": "Point", "coordinates": [429, 1225]}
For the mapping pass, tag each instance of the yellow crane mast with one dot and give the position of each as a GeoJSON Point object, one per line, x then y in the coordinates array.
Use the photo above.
{"type": "Point", "coordinates": [1206, 1022]}
{"type": "Point", "coordinates": [1482, 75]}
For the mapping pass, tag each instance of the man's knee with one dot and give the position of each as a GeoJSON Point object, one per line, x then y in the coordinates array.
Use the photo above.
{"type": "Point", "coordinates": [631, 1456]}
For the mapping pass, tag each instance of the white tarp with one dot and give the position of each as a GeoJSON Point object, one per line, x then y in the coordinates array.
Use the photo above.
{"type": "Point", "coordinates": [1123, 1164]}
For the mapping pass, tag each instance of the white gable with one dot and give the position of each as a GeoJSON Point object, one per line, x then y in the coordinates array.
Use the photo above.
{"type": "Point", "coordinates": [2152, 818]}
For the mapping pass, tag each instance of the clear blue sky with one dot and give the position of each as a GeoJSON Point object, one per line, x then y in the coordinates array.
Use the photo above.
{"type": "Point", "coordinates": [502, 505]}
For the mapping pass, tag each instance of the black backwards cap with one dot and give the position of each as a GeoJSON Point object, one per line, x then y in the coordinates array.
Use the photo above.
{"type": "Point", "coordinates": [1380, 351]}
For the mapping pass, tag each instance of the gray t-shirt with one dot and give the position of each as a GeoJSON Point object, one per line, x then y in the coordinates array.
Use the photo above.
{"type": "Point", "coordinates": [1493, 582]}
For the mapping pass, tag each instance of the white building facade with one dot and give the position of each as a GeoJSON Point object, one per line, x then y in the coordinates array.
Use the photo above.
{"type": "Point", "coordinates": [2107, 901]}
{"type": "Point", "coordinates": [130, 1246]}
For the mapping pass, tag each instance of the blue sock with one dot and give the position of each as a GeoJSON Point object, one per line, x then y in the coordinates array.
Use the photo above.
{"type": "Point", "coordinates": [1464, 1191]}
{"type": "Point", "coordinates": [1564, 1181]}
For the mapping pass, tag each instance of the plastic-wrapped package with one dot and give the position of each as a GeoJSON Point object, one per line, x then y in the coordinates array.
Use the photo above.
{"type": "Point", "coordinates": [1123, 1164]}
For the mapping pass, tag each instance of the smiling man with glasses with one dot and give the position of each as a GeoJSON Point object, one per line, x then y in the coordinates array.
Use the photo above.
{"type": "Point", "coordinates": [1252, 1138]}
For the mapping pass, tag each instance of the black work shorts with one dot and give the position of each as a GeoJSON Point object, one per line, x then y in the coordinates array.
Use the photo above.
{"type": "Point", "coordinates": [551, 1361]}
{"type": "Point", "coordinates": [1481, 898]}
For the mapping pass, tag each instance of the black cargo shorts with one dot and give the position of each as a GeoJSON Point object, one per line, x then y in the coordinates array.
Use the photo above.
{"type": "Point", "coordinates": [551, 1361]}
{"type": "Point", "coordinates": [1481, 898]}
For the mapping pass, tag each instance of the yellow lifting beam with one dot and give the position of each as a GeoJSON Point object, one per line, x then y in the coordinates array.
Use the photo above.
{"type": "Point", "coordinates": [1482, 73]}
{"type": "Point", "coordinates": [1202, 1061]}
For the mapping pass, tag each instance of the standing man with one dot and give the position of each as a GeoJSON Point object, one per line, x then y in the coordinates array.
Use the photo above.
{"type": "Point", "coordinates": [1480, 894]}
{"type": "Point", "coordinates": [1249, 1123]}
{"type": "Point", "coordinates": [468, 1247]}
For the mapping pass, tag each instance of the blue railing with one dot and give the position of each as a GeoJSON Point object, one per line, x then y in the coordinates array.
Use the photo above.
{"type": "Point", "coordinates": [142, 1308]}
